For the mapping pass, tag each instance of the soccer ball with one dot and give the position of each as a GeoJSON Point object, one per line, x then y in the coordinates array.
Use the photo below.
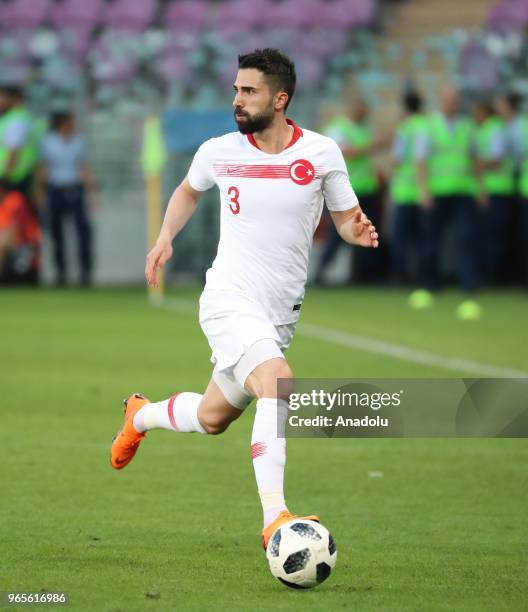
{"type": "Point", "coordinates": [301, 553]}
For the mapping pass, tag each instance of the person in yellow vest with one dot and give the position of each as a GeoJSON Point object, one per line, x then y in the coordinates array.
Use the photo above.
{"type": "Point", "coordinates": [358, 143]}
{"type": "Point", "coordinates": [19, 146]}
{"type": "Point", "coordinates": [495, 169]}
{"type": "Point", "coordinates": [448, 192]}
{"type": "Point", "coordinates": [523, 190]}
{"type": "Point", "coordinates": [405, 195]}
{"type": "Point", "coordinates": [508, 107]}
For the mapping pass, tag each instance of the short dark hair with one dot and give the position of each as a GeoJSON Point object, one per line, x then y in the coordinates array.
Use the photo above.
{"type": "Point", "coordinates": [484, 104]}
{"type": "Point", "coordinates": [514, 100]}
{"type": "Point", "coordinates": [412, 102]}
{"type": "Point", "coordinates": [58, 118]}
{"type": "Point", "coordinates": [278, 68]}
{"type": "Point", "coordinates": [11, 89]}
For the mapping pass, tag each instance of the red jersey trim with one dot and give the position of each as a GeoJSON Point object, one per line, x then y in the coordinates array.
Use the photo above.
{"type": "Point", "coordinates": [297, 133]}
{"type": "Point", "coordinates": [259, 171]}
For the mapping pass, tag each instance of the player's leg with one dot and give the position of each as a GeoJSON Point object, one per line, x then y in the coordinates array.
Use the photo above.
{"type": "Point", "coordinates": [268, 450]}
{"type": "Point", "coordinates": [183, 412]}
{"type": "Point", "coordinates": [188, 412]}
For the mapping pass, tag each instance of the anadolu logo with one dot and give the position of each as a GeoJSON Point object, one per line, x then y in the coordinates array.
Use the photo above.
{"type": "Point", "coordinates": [302, 172]}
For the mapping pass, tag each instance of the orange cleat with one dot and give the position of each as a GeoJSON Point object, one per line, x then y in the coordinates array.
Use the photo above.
{"type": "Point", "coordinates": [126, 441]}
{"type": "Point", "coordinates": [283, 517]}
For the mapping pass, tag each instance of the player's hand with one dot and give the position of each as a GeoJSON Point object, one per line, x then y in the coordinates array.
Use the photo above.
{"type": "Point", "coordinates": [94, 203]}
{"type": "Point", "coordinates": [364, 232]}
{"type": "Point", "coordinates": [156, 259]}
{"type": "Point", "coordinates": [426, 201]}
{"type": "Point", "coordinates": [483, 200]}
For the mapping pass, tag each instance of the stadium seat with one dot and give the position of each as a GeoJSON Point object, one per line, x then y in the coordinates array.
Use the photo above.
{"type": "Point", "coordinates": [43, 44]}
{"type": "Point", "coordinates": [287, 14]}
{"type": "Point", "coordinates": [235, 14]}
{"type": "Point", "coordinates": [16, 71]}
{"type": "Point", "coordinates": [76, 42]}
{"type": "Point", "coordinates": [77, 14]}
{"type": "Point", "coordinates": [62, 73]}
{"type": "Point", "coordinates": [131, 15]}
{"type": "Point", "coordinates": [347, 14]}
{"type": "Point", "coordinates": [16, 44]}
{"type": "Point", "coordinates": [24, 13]}
{"type": "Point", "coordinates": [512, 14]}
{"type": "Point", "coordinates": [478, 67]}
{"type": "Point", "coordinates": [186, 15]}
{"type": "Point", "coordinates": [173, 66]}
{"type": "Point", "coordinates": [309, 71]}
{"type": "Point", "coordinates": [322, 43]}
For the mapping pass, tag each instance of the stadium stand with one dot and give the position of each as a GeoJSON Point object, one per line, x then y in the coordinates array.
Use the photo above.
{"type": "Point", "coordinates": [115, 60]}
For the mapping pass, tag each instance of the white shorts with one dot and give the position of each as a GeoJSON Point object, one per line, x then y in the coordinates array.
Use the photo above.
{"type": "Point", "coordinates": [241, 337]}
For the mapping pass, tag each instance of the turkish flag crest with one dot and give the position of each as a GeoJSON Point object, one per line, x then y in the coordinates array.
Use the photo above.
{"type": "Point", "coordinates": [302, 172]}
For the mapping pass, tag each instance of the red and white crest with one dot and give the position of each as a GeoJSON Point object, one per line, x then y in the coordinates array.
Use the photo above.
{"type": "Point", "coordinates": [302, 172]}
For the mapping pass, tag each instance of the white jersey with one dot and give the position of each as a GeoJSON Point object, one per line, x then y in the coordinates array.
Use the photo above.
{"type": "Point", "coordinates": [270, 206]}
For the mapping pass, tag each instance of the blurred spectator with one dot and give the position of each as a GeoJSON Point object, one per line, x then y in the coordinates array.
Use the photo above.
{"type": "Point", "coordinates": [509, 109]}
{"type": "Point", "coordinates": [523, 190]}
{"type": "Point", "coordinates": [65, 181]}
{"type": "Point", "coordinates": [19, 140]}
{"type": "Point", "coordinates": [406, 192]}
{"type": "Point", "coordinates": [447, 174]}
{"type": "Point", "coordinates": [355, 137]}
{"type": "Point", "coordinates": [496, 174]}
{"type": "Point", "coordinates": [19, 238]}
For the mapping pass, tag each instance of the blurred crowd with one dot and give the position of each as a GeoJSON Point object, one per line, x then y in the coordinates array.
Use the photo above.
{"type": "Point", "coordinates": [44, 176]}
{"type": "Point", "coordinates": [455, 206]}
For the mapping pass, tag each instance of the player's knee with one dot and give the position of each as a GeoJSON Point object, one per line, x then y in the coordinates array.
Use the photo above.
{"type": "Point", "coordinates": [275, 382]}
{"type": "Point", "coordinates": [214, 424]}
{"type": "Point", "coordinates": [284, 371]}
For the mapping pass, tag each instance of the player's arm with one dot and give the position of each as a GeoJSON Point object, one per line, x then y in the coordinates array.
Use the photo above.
{"type": "Point", "coordinates": [422, 179]}
{"type": "Point", "coordinates": [421, 155]}
{"type": "Point", "coordinates": [12, 160]}
{"type": "Point", "coordinates": [351, 223]}
{"type": "Point", "coordinates": [355, 227]}
{"type": "Point", "coordinates": [499, 151]}
{"type": "Point", "coordinates": [182, 205]}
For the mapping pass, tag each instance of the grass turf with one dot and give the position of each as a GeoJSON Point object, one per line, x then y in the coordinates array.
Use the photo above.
{"type": "Point", "coordinates": [443, 529]}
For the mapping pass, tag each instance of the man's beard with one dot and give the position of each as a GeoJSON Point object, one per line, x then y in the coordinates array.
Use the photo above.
{"type": "Point", "coordinates": [256, 123]}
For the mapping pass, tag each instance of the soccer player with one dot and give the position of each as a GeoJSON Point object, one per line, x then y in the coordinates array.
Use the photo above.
{"type": "Point", "coordinates": [273, 177]}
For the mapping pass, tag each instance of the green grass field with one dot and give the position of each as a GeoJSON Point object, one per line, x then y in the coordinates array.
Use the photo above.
{"type": "Point", "coordinates": [443, 529]}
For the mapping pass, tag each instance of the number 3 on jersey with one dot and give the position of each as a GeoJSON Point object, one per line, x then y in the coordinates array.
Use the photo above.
{"type": "Point", "coordinates": [233, 194]}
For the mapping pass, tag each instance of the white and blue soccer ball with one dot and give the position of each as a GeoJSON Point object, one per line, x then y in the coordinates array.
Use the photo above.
{"type": "Point", "coordinates": [301, 553]}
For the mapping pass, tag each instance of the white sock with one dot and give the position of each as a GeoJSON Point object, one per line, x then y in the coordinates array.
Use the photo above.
{"type": "Point", "coordinates": [179, 413]}
{"type": "Point", "coordinates": [269, 456]}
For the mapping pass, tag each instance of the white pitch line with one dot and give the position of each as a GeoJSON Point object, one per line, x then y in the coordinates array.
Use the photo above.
{"type": "Point", "coordinates": [405, 353]}
{"type": "Point", "coordinates": [379, 347]}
